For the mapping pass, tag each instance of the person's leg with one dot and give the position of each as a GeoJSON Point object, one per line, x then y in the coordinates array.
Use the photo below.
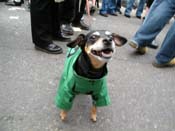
{"type": "Point", "coordinates": [118, 6]}
{"type": "Point", "coordinates": [55, 19]}
{"type": "Point", "coordinates": [112, 7]}
{"type": "Point", "coordinates": [167, 50]}
{"type": "Point", "coordinates": [57, 33]}
{"type": "Point", "coordinates": [80, 8]}
{"type": "Point", "coordinates": [68, 8]}
{"type": "Point", "coordinates": [118, 3]}
{"type": "Point", "coordinates": [159, 15]}
{"type": "Point", "coordinates": [69, 11]}
{"type": "Point", "coordinates": [104, 7]}
{"type": "Point", "coordinates": [149, 3]}
{"type": "Point", "coordinates": [129, 7]}
{"type": "Point", "coordinates": [140, 8]}
{"type": "Point", "coordinates": [41, 26]}
{"type": "Point", "coordinates": [41, 22]}
{"type": "Point", "coordinates": [78, 20]}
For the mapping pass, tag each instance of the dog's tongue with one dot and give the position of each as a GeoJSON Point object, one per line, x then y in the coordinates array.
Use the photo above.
{"type": "Point", "coordinates": [107, 53]}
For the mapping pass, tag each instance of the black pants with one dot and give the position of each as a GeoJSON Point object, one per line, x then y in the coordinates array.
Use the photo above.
{"type": "Point", "coordinates": [71, 12]}
{"type": "Point", "coordinates": [149, 3]}
{"type": "Point", "coordinates": [79, 11]}
{"type": "Point", "coordinates": [44, 21]}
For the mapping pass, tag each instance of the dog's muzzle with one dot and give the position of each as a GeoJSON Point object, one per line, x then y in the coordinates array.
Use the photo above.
{"type": "Point", "coordinates": [104, 53]}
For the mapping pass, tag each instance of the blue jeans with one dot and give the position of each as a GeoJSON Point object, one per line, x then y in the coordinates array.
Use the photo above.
{"type": "Point", "coordinates": [108, 6]}
{"type": "Point", "coordinates": [130, 4]}
{"type": "Point", "coordinates": [160, 13]}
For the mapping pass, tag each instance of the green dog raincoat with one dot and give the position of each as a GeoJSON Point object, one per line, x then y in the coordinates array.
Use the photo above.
{"type": "Point", "coordinates": [72, 84]}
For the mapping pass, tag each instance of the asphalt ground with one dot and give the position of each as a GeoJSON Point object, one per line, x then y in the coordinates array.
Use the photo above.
{"type": "Point", "coordinates": [142, 96]}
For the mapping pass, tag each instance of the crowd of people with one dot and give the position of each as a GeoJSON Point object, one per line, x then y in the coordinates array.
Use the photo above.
{"type": "Point", "coordinates": [48, 23]}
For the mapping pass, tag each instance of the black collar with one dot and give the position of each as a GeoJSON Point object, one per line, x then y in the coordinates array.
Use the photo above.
{"type": "Point", "coordinates": [83, 67]}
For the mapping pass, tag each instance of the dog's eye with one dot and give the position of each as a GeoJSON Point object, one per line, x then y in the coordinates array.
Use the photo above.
{"type": "Point", "coordinates": [93, 37]}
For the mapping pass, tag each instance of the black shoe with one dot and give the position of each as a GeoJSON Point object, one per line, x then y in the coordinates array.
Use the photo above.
{"type": "Point", "coordinates": [114, 14]}
{"type": "Point", "coordinates": [82, 25]}
{"type": "Point", "coordinates": [153, 45]}
{"type": "Point", "coordinates": [67, 29]}
{"type": "Point", "coordinates": [62, 37]}
{"type": "Point", "coordinates": [128, 16]}
{"type": "Point", "coordinates": [119, 11]}
{"type": "Point", "coordinates": [105, 15]}
{"type": "Point", "coordinates": [13, 3]}
{"type": "Point", "coordinates": [51, 49]}
{"type": "Point", "coordinates": [139, 17]}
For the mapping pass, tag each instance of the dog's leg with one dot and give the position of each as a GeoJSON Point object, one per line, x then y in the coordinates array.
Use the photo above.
{"type": "Point", "coordinates": [63, 115]}
{"type": "Point", "coordinates": [94, 113]}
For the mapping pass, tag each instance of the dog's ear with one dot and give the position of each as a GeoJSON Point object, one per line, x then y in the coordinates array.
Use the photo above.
{"type": "Point", "coordinates": [78, 41]}
{"type": "Point", "coordinates": [119, 40]}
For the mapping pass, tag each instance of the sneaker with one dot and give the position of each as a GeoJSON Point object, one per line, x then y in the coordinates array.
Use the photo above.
{"type": "Point", "coordinates": [168, 64]}
{"type": "Point", "coordinates": [81, 25]}
{"type": "Point", "coordinates": [62, 37]}
{"type": "Point", "coordinates": [140, 50]}
{"type": "Point", "coordinates": [67, 29]}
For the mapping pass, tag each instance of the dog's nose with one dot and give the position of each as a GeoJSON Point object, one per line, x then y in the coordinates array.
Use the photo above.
{"type": "Point", "coordinates": [107, 42]}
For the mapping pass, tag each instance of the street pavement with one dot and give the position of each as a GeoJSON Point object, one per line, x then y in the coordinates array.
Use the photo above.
{"type": "Point", "coordinates": [142, 96]}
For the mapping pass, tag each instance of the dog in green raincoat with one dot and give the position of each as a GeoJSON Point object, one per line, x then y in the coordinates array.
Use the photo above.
{"type": "Point", "coordinates": [85, 70]}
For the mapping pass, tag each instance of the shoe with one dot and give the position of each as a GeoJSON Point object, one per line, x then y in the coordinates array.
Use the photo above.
{"type": "Point", "coordinates": [153, 45]}
{"type": "Point", "coordinates": [51, 49]}
{"type": "Point", "coordinates": [114, 14]}
{"type": "Point", "coordinates": [62, 37]}
{"type": "Point", "coordinates": [140, 50]}
{"type": "Point", "coordinates": [139, 17]}
{"type": "Point", "coordinates": [67, 29]}
{"type": "Point", "coordinates": [13, 3]}
{"type": "Point", "coordinates": [105, 15]}
{"type": "Point", "coordinates": [119, 11]}
{"type": "Point", "coordinates": [143, 49]}
{"type": "Point", "coordinates": [81, 25]}
{"type": "Point", "coordinates": [128, 16]}
{"type": "Point", "coordinates": [168, 64]}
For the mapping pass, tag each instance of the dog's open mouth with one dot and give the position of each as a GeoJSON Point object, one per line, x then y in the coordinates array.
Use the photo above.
{"type": "Point", "coordinates": [105, 53]}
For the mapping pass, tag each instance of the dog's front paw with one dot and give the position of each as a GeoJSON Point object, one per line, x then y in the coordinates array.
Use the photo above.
{"type": "Point", "coordinates": [63, 115]}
